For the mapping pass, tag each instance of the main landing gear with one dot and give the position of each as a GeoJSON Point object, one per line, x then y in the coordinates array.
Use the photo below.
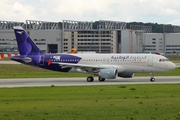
{"type": "Point", "coordinates": [91, 79]}
{"type": "Point", "coordinates": [152, 79]}
{"type": "Point", "coordinates": [101, 79]}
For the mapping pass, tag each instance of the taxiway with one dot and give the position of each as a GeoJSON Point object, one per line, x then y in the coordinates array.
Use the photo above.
{"type": "Point", "coordinates": [28, 82]}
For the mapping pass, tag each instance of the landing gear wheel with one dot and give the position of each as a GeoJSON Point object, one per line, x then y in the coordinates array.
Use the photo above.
{"type": "Point", "coordinates": [101, 79]}
{"type": "Point", "coordinates": [152, 79]}
{"type": "Point", "coordinates": [90, 79]}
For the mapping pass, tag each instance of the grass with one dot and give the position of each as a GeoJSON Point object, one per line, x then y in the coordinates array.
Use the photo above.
{"type": "Point", "coordinates": [118, 102]}
{"type": "Point", "coordinates": [24, 71]}
{"type": "Point", "coordinates": [5, 59]}
{"type": "Point", "coordinates": [175, 58]}
{"type": "Point", "coordinates": [175, 72]}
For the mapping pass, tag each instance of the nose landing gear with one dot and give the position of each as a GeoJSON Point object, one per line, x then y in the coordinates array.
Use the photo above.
{"type": "Point", "coordinates": [152, 79]}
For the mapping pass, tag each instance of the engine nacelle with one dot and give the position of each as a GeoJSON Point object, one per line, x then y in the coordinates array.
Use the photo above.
{"type": "Point", "coordinates": [108, 73]}
{"type": "Point", "coordinates": [126, 75]}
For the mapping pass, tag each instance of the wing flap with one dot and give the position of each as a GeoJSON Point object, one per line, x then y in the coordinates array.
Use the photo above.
{"type": "Point", "coordinates": [90, 68]}
{"type": "Point", "coordinates": [76, 65]}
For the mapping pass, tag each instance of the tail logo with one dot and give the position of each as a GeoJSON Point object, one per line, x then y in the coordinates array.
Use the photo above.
{"type": "Point", "coordinates": [20, 32]}
{"type": "Point", "coordinates": [49, 62]}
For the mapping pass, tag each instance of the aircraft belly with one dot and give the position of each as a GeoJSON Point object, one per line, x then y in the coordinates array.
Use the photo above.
{"type": "Point", "coordinates": [142, 69]}
{"type": "Point", "coordinates": [72, 70]}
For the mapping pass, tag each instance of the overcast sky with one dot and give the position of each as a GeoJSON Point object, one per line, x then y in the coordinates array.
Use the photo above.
{"type": "Point", "coordinates": [154, 11]}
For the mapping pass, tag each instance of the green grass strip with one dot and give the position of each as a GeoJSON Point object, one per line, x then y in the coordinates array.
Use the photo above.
{"type": "Point", "coordinates": [117, 102]}
{"type": "Point", "coordinates": [24, 71]}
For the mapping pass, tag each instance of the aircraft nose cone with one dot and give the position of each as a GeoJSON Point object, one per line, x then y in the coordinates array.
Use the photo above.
{"type": "Point", "coordinates": [172, 66]}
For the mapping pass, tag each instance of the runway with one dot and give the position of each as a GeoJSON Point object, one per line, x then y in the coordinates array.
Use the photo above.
{"type": "Point", "coordinates": [13, 62]}
{"type": "Point", "coordinates": [82, 81]}
{"type": "Point", "coordinates": [9, 62]}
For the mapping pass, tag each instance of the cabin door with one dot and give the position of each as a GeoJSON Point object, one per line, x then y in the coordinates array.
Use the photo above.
{"type": "Point", "coordinates": [150, 60]}
{"type": "Point", "coordinates": [42, 60]}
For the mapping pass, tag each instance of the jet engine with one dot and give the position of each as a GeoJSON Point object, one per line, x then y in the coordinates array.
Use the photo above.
{"type": "Point", "coordinates": [126, 74]}
{"type": "Point", "coordinates": [108, 73]}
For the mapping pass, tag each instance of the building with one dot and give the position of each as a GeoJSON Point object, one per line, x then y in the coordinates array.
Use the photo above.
{"type": "Point", "coordinates": [105, 37]}
{"type": "Point", "coordinates": [168, 43]}
{"type": "Point", "coordinates": [46, 35]}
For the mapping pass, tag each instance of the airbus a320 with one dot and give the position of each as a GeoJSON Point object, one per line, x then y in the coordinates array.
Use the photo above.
{"type": "Point", "coordinates": [105, 66]}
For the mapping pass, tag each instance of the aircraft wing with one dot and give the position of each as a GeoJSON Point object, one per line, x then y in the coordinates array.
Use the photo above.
{"type": "Point", "coordinates": [75, 65]}
{"type": "Point", "coordinates": [80, 67]}
{"type": "Point", "coordinates": [88, 68]}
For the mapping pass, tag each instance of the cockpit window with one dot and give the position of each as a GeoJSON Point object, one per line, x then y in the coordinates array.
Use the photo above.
{"type": "Point", "coordinates": [163, 60]}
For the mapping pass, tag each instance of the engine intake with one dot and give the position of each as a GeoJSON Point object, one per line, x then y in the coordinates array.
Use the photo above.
{"type": "Point", "coordinates": [108, 73]}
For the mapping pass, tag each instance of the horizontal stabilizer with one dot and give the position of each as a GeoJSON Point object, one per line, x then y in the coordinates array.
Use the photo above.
{"type": "Point", "coordinates": [21, 59]}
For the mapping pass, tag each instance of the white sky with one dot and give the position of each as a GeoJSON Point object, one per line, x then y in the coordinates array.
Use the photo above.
{"type": "Point", "coordinates": [154, 11]}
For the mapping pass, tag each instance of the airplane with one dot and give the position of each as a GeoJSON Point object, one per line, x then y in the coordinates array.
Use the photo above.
{"type": "Point", "coordinates": [105, 66]}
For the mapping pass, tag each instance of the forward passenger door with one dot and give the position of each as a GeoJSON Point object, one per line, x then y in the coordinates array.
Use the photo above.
{"type": "Point", "coordinates": [150, 60]}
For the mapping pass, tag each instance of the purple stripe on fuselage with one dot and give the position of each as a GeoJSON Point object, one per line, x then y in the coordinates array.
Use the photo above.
{"type": "Point", "coordinates": [63, 58]}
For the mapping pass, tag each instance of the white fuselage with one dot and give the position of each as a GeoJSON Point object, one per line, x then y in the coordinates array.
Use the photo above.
{"type": "Point", "coordinates": [128, 62]}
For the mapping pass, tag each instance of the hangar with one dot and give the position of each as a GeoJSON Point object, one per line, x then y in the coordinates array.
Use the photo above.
{"type": "Point", "coordinates": [101, 36]}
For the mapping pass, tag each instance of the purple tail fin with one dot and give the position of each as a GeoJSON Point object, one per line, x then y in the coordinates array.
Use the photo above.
{"type": "Point", "coordinates": [25, 44]}
{"type": "Point", "coordinates": [27, 48]}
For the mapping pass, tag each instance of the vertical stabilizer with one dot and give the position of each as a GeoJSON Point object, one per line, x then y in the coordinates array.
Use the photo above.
{"type": "Point", "coordinates": [27, 48]}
